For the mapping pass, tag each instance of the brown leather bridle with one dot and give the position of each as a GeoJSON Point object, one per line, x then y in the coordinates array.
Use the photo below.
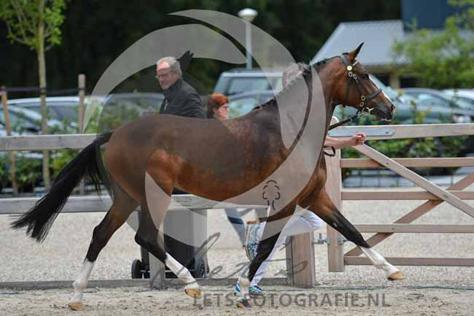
{"type": "Point", "coordinates": [364, 99]}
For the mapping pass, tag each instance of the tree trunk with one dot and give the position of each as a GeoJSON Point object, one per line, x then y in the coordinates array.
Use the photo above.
{"type": "Point", "coordinates": [42, 83]}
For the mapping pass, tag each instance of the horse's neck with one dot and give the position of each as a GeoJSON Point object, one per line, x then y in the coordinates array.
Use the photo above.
{"type": "Point", "coordinates": [271, 110]}
{"type": "Point", "coordinates": [328, 84]}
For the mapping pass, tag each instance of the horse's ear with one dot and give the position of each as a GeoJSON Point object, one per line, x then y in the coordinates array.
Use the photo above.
{"type": "Point", "coordinates": [185, 60]}
{"type": "Point", "coordinates": [355, 52]}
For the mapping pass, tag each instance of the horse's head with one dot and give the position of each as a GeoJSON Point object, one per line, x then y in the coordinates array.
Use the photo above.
{"type": "Point", "coordinates": [353, 87]}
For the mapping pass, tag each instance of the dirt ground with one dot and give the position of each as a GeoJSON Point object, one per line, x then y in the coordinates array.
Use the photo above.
{"type": "Point", "coordinates": [279, 300]}
{"type": "Point", "coordinates": [426, 290]}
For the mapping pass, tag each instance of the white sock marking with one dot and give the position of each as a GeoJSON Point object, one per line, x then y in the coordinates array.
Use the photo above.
{"type": "Point", "coordinates": [379, 261]}
{"type": "Point", "coordinates": [182, 273]}
{"type": "Point", "coordinates": [81, 282]}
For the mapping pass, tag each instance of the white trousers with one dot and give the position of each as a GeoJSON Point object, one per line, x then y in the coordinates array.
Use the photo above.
{"type": "Point", "coordinates": [302, 221]}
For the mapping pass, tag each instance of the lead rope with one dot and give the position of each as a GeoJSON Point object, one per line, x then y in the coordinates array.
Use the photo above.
{"type": "Point", "coordinates": [343, 122]}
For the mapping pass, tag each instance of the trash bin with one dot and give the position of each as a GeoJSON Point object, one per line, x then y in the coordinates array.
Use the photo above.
{"type": "Point", "coordinates": [185, 231]}
{"type": "Point", "coordinates": [191, 226]}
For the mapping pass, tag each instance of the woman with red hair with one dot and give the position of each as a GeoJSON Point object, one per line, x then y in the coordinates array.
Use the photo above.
{"type": "Point", "coordinates": [218, 106]}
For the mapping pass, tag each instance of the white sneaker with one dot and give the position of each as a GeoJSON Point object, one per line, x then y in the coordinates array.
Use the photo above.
{"type": "Point", "coordinates": [253, 233]}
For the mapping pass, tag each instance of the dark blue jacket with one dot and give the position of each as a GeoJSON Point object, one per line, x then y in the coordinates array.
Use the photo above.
{"type": "Point", "coordinates": [181, 99]}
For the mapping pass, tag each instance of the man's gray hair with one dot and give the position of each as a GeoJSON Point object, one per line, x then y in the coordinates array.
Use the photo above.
{"type": "Point", "coordinates": [172, 62]}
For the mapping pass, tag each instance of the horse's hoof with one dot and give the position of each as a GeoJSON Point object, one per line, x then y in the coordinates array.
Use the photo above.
{"type": "Point", "coordinates": [193, 292]}
{"type": "Point", "coordinates": [76, 306]}
{"type": "Point", "coordinates": [243, 303]}
{"type": "Point", "coordinates": [396, 276]}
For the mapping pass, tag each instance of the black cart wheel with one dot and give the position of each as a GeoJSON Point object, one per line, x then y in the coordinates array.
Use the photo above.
{"type": "Point", "coordinates": [137, 269]}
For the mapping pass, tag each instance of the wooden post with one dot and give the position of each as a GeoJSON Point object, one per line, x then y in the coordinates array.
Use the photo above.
{"type": "Point", "coordinates": [334, 190]}
{"type": "Point", "coordinates": [394, 79]}
{"type": "Point", "coordinates": [301, 265]}
{"type": "Point", "coordinates": [8, 127]}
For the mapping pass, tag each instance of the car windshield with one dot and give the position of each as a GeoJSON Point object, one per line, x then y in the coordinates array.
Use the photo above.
{"type": "Point", "coordinates": [432, 100]}
{"type": "Point", "coordinates": [64, 112]}
{"type": "Point", "coordinates": [440, 100]}
{"type": "Point", "coordinates": [463, 102]}
{"type": "Point", "coordinates": [239, 85]}
{"type": "Point", "coordinates": [58, 110]}
{"type": "Point", "coordinates": [141, 103]}
{"type": "Point", "coordinates": [21, 119]}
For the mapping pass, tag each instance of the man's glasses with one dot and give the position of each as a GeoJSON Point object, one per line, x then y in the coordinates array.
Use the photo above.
{"type": "Point", "coordinates": [157, 77]}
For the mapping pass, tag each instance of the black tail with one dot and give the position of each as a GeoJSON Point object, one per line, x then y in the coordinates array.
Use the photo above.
{"type": "Point", "coordinates": [40, 218]}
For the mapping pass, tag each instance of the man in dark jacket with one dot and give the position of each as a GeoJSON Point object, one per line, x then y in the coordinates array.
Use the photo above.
{"type": "Point", "coordinates": [180, 98]}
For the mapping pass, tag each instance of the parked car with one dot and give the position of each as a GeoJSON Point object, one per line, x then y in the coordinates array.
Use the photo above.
{"type": "Point", "coordinates": [461, 96]}
{"type": "Point", "coordinates": [28, 163]}
{"type": "Point", "coordinates": [144, 100]}
{"type": "Point", "coordinates": [25, 121]}
{"type": "Point", "coordinates": [406, 103]}
{"type": "Point", "coordinates": [65, 108]}
{"type": "Point", "coordinates": [59, 108]}
{"type": "Point", "coordinates": [120, 108]}
{"type": "Point", "coordinates": [242, 103]}
{"type": "Point", "coordinates": [244, 80]}
{"type": "Point", "coordinates": [248, 88]}
{"type": "Point", "coordinates": [447, 109]}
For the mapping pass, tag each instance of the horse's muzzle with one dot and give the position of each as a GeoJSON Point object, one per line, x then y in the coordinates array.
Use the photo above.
{"type": "Point", "coordinates": [384, 111]}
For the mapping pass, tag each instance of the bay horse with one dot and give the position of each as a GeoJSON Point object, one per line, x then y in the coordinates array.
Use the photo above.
{"type": "Point", "coordinates": [167, 152]}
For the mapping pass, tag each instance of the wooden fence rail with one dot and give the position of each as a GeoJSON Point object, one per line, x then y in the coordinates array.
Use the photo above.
{"type": "Point", "coordinates": [433, 194]}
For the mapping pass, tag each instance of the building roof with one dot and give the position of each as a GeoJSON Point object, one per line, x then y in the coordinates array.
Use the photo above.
{"type": "Point", "coordinates": [378, 36]}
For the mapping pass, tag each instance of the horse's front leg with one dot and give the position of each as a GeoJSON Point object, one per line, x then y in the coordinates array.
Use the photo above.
{"type": "Point", "coordinates": [321, 204]}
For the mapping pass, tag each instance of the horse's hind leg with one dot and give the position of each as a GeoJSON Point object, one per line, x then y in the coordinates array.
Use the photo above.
{"type": "Point", "coordinates": [123, 205]}
{"type": "Point", "coordinates": [322, 206]}
{"type": "Point", "coordinates": [158, 199]}
{"type": "Point", "coordinates": [147, 236]}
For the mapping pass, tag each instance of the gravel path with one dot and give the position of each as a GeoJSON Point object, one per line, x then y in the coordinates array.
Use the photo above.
{"type": "Point", "coordinates": [219, 301]}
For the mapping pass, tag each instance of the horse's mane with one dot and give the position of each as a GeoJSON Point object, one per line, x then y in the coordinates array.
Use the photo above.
{"type": "Point", "coordinates": [303, 75]}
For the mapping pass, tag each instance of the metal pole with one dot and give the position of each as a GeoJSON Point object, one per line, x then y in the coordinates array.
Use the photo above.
{"type": "Point", "coordinates": [248, 44]}
{"type": "Point", "coordinates": [81, 87]}
{"type": "Point", "coordinates": [81, 83]}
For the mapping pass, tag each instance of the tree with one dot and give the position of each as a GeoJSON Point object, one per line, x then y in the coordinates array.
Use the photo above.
{"type": "Point", "coordinates": [36, 24]}
{"type": "Point", "coordinates": [441, 59]}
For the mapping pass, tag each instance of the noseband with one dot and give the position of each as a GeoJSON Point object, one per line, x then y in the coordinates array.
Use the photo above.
{"type": "Point", "coordinates": [364, 99]}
